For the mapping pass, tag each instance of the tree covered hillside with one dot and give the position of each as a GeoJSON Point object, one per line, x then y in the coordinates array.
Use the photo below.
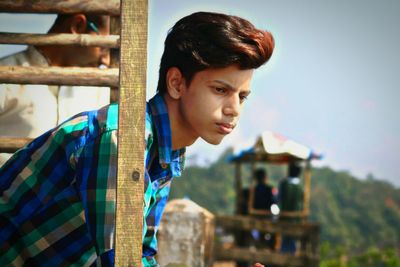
{"type": "Point", "coordinates": [354, 214]}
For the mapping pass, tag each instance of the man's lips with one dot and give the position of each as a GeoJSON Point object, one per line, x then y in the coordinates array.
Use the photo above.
{"type": "Point", "coordinates": [225, 128]}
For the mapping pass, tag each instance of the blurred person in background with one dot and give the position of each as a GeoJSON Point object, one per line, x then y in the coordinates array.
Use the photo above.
{"type": "Point", "coordinates": [290, 199]}
{"type": "Point", "coordinates": [30, 110]}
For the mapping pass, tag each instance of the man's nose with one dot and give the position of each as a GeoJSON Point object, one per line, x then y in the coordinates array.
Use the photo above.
{"type": "Point", "coordinates": [232, 106]}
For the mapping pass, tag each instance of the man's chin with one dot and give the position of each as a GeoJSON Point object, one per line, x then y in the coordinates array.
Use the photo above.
{"type": "Point", "coordinates": [213, 141]}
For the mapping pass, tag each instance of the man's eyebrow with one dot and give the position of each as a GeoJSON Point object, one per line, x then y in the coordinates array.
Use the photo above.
{"type": "Point", "coordinates": [228, 86]}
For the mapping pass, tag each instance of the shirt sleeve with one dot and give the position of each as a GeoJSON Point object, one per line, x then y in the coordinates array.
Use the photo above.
{"type": "Point", "coordinates": [96, 179]}
{"type": "Point", "coordinates": [36, 179]}
{"type": "Point", "coordinates": [149, 261]}
{"type": "Point", "coordinates": [153, 218]}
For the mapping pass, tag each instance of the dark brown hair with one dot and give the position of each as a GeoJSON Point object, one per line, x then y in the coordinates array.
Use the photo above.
{"type": "Point", "coordinates": [99, 20]}
{"type": "Point", "coordinates": [205, 40]}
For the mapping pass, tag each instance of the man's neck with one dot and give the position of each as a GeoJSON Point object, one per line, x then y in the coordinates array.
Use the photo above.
{"type": "Point", "coordinates": [179, 134]}
{"type": "Point", "coordinates": [51, 54]}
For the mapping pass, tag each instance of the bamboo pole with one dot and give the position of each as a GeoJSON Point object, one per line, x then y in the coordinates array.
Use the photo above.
{"type": "Point", "coordinates": [307, 189]}
{"type": "Point", "coordinates": [131, 127]}
{"type": "Point", "coordinates": [109, 7]}
{"type": "Point", "coordinates": [12, 144]}
{"type": "Point", "coordinates": [110, 41]}
{"type": "Point", "coordinates": [59, 76]}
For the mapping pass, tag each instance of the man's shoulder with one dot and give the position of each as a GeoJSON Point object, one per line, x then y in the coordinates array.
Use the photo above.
{"type": "Point", "coordinates": [92, 123]}
{"type": "Point", "coordinates": [28, 57]}
{"type": "Point", "coordinates": [107, 117]}
{"type": "Point", "coordinates": [14, 59]}
{"type": "Point", "coordinates": [103, 119]}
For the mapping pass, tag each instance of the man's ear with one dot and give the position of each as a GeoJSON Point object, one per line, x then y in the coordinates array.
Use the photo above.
{"type": "Point", "coordinates": [175, 82]}
{"type": "Point", "coordinates": [78, 24]}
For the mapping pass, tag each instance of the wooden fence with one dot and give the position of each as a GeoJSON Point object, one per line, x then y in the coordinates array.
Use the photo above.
{"type": "Point", "coordinates": [307, 233]}
{"type": "Point", "coordinates": [130, 77]}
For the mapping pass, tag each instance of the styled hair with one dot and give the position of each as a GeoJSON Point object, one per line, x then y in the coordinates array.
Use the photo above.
{"type": "Point", "coordinates": [99, 20]}
{"type": "Point", "coordinates": [206, 40]}
{"type": "Point", "coordinates": [260, 175]}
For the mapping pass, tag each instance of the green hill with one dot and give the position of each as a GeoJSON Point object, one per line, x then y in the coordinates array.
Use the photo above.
{"type": "Point", "coordinates": [354, 214]}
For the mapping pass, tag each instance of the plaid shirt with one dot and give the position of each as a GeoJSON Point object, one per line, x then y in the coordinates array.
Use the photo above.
{"type": "Point", "coordinates": [57, 195]}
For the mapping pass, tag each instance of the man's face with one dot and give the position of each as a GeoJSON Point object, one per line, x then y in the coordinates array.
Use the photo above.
{"type": "Point", "coordinates": [211, 105]}
{"type": "Point", "coordinates": [91, 56]}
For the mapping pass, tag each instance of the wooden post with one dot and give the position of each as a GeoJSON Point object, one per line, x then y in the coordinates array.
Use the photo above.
{"type": "Point", "coordinates": [307, 188]}
{"type": "Point", "coordinates": [131, 123]}
{"type": "Point", "coordinates": [115, 28]}
{"type": "Point", "coordinates": [238, 187]}
{"type": "Point", "coordinates": [314, 254]}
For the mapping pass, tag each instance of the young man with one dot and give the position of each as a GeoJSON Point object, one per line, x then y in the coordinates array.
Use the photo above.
{"type": "Point", "coordinates": [30, 110]}
{"type": "Point", "coordinates": [58, 194]}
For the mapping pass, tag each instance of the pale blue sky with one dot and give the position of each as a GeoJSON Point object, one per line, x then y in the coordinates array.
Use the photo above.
{"type": "Point", "coordinates": [332, 83]}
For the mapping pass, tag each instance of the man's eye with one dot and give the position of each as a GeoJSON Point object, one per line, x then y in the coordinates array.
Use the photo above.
{"type": "Point", "coordinates": [220, 90]}
{"type": "Point", "coordinates": [243, 98]}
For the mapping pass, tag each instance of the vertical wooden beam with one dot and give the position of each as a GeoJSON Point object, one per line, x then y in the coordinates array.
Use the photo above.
{"type": "Point", "coordinates": [307, 190]}
{"type": "Point", "coordinates": [129, 213]}
{"type": "Point", "coordinates": [115, 28]}
{"type": "Point", "coordinates": [238, 186]}
{"type": "Point", "coordinates": [315, 250]}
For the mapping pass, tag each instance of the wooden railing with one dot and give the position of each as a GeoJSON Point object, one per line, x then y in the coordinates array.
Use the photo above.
{"type": "Point", "coordinates": [130, 78]}
{"type": "Point", "coordinates": [12, 144]}
{"type": "Point", "coordinates": [59, 75]}
{"type": "Point", "coordinates": [306, 232]}
{"type": "Point", "coordinates": [107, 7]}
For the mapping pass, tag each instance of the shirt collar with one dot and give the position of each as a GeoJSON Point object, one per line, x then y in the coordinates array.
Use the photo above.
{"type": "Point", "coordinates": [159, 114]}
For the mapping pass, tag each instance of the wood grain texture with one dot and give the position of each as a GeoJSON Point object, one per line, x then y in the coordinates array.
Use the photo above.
{"type": "Point", "coordinates": [109, 7]}
{"type": "Point", "coordinates": [59, 76]}
{"type": "Point", "coordinates": [115, 28]}
{"type": "Point", "coordinates": [238, 187]}
{"type": "Point", "coordinates": [12, 144]}
{"type": "Point", "coordinates": [110, 41]}
{"type": "Point", "coordinates": [307, 189]}
{"type": "Point", "coordinates": [129, 214]}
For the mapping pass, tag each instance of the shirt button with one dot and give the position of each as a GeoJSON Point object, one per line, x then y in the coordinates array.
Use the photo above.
{"type": "Point", "coordinates": [164, 165]}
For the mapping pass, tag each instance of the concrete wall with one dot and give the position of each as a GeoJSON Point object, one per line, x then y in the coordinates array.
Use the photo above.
{"type": "Point", "coordinates": [185, 236]}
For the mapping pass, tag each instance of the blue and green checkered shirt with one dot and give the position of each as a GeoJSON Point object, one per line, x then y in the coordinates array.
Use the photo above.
{"type": "Point", "coordinates": [57, 194]}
